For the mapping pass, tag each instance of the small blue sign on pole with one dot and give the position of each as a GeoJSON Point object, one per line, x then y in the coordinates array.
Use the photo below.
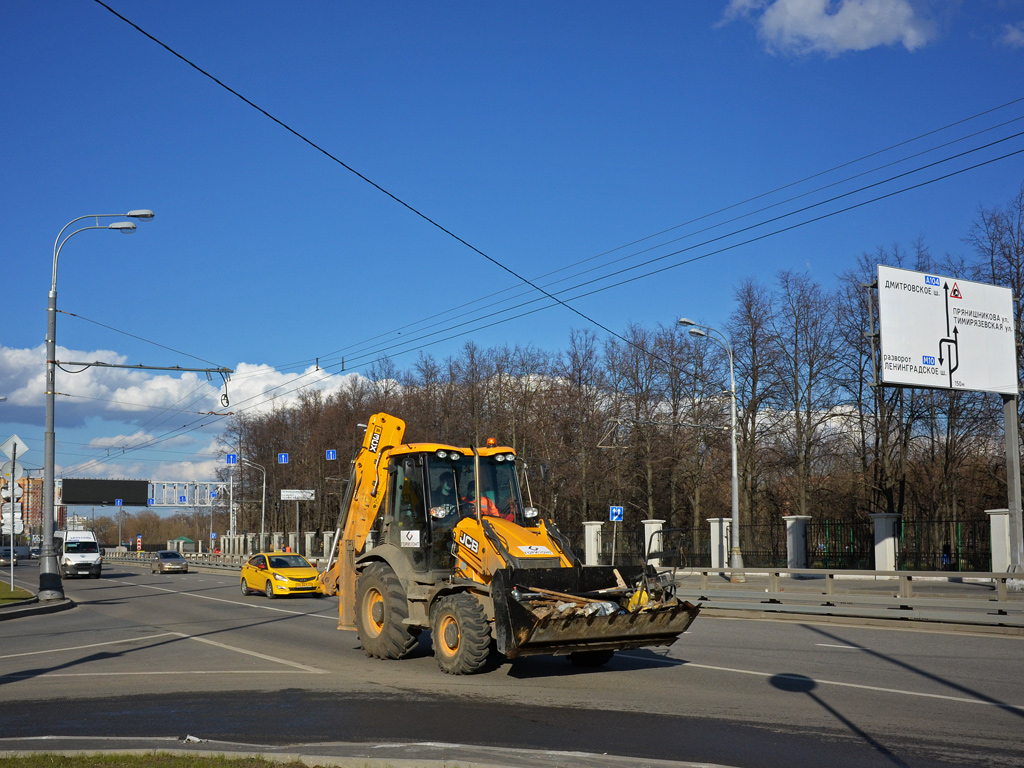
{"type": "Point", "coordinates": [182, 499]}
{"type": "Point", "coordinates": [282, 458]}
{"type": "Point", "coordinates": [615, 514]}
{"type": "Point", "coordinates": [231, 458]}
{"type": "Point", "coordinates": [150, 502]}
{"type": "Point", "coordinates": [213, 494]}
{"type": "Point", "coordinates": [117, 502]}
{"type": "Point", "coordinates": [332, 455]}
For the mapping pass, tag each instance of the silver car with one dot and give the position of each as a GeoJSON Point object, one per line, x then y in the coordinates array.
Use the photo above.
{"type": "Point", "coordinates": [168, 561]}
{"type": "Point", "coordinates": [5, 556]}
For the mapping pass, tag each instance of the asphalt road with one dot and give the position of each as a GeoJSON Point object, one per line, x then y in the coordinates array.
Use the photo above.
{"type": "Point", "coordinates": [147, 655]}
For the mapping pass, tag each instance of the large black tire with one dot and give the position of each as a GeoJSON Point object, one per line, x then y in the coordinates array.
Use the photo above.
{"type": "Point", "coordinates": [461, 637]}
{"type": "Point", "coordinates": [381, 611]}
{"type": "Point", "coordinates": [245, 587]}
{"type": "Point", "coordinates": [590, 658]}
{"type": "Point", "coordinates": [268, 590]}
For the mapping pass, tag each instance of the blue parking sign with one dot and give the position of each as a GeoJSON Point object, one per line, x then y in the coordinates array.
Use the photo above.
{"type": "Point", "coordinates": [615, 514]}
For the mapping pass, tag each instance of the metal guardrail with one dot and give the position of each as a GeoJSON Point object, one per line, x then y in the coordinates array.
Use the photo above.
{"type": "Point", "coordinates": [990, 599]}
{"type": "Point", "coordinates": [994, 600]}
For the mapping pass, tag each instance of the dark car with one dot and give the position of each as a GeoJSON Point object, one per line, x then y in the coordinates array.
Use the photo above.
{"type": "Point", "coordinates": [34, 553]}
{"type": "Point", "coordinates": [168, 561]}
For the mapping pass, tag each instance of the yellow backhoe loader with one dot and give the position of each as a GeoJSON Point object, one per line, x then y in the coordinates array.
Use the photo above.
{"type": "Point", "coordinates": [437, 537]}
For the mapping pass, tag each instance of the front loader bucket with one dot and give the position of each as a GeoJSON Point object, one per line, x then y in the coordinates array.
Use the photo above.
{"type": "Point", "coordinates": [521, 631]}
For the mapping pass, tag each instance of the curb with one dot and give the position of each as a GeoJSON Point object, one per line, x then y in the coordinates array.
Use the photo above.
{"type": "Point", "coordinates": [32, 607]}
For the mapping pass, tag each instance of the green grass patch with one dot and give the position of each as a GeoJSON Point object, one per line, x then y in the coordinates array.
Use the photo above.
{"type": "Point", "coordinates": [8, 595]}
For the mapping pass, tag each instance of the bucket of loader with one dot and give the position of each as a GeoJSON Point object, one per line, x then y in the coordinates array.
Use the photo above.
{"type": "Point", "coordinates": [565, 610]}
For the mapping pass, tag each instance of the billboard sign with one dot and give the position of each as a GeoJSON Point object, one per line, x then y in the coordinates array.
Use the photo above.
{"type": "Point", "coordinates": [297, 495]}
{"type": "Point", "coordinates": [945, 333]}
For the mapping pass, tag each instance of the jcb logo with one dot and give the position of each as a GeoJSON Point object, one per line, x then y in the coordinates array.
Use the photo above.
{"type": "Point", "coordinates": [469, 543]}
{"type": "Point", "coordinates": [374, 440]}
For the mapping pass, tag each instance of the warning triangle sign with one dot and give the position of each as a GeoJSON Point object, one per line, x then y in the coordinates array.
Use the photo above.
{"type": "Point", "coordinates": [955, 293]}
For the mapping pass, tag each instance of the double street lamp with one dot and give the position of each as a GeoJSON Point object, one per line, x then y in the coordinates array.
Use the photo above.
{"type": "Point", "coordinates": [735, 555]}
{"type": "Point", "coordinates": [50, 587]}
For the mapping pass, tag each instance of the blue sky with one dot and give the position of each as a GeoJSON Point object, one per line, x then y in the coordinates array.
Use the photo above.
{"type": "Point", "coordinates": [541, 134]}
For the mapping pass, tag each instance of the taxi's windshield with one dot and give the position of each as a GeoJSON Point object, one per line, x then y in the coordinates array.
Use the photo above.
{"type": "Point", "coordinates": [289, 561]}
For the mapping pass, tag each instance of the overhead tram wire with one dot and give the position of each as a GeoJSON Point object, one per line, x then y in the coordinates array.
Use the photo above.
{"type": "Point", "coordinates": [686, 261]}
{"type": "Point", "coordinates": [549, 295]}
{"type": "Point", "coordinates": [366, 179]}
{"type": "Point", "coordinates": [674, 265]}
{"type": "Point", "coordinates": [435, 319]}
{"type": "Point", "coordinates": [372, 183]}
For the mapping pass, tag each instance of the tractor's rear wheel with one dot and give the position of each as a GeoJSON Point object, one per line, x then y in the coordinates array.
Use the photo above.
{"type": "Point", "coordinates": [461, 637]}
{"type": "Point", "coordinates": [381, 611]}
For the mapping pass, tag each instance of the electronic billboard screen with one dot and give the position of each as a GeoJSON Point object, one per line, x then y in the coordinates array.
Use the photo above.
{"type": "Point", "coordinates": [132, 493]}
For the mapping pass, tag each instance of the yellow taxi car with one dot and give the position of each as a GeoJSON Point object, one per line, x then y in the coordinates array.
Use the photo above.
{"type": "Point", "coordinates": [279, 573]}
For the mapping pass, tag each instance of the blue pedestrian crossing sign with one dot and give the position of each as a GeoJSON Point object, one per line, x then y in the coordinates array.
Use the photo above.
{"type": "Point", "coordinates": [332, 455]}
{"type": "Point", "coordinates": [232, 459]}
{"type": "Point", "coordinates": [282, 458]}
{"type": "Point", "coordinates": [615, 514]}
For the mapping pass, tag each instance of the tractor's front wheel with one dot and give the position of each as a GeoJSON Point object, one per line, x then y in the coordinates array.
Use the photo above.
{"type": "Point", "coordinates": [461, 637]}
{"type": "Point", "coordinates": [381, 611]}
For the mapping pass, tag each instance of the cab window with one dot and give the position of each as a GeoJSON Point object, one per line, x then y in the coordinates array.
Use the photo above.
{"type": "Point", "coordinates": [408, 510]}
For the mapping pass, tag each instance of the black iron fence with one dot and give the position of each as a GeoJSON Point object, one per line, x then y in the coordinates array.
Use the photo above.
{"type": "Point", "coordinates": [949, 545]}
{"type": "Point", "coordinates": [831, 544]}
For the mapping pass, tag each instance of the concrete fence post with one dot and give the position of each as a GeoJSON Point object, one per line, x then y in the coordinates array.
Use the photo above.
{"type": "Point", "coordinates": [885, 540]}
{"type": "Point", "coordinates": [796, 540]}
{"type": "Point", "coordinates": [592, 543]}
{"type": "Point", "coordinates": [653, 539]}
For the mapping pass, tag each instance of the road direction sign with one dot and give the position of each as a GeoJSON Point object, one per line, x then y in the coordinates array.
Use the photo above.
{"type": "Point", "coordinates": [615, 514]}
{"type": "Point", "coordinates": [19, 528]}
{"type": "Point", "coordinates": [332, 455]}
{"type": "Point", "coordinates": [231, 459]}
{"type": "Point", "coordinates": [282, 458]}
{"type": "Point", "coordinates": [6, 510]}
{"type": "Point", "coordinates": [946, 333]}
{"type": "Point", "coordinates": [183, 499]}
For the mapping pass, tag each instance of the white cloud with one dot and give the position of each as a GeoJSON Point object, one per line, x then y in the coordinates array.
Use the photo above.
{"type": "Point", "coordinates": [1013, 35]}
{"type": "Point", "coordinates": [166, 408]}
{"type": "Point", "coordinates": [834, 26]}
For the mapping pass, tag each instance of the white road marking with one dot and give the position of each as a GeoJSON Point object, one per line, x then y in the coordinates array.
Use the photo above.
{"type": "Point", "coordinates": [176, 673]}
{"type": "Point", "coordinates": [877, 689]}
{"type": "Point", "coordinates": [233, 602]}
{"type": "Point", "coordinates": [264, 656]}
{"type": "Point", "coordinates": [844, 647]}
{"type": "Point", "coordinates": [90, 645]}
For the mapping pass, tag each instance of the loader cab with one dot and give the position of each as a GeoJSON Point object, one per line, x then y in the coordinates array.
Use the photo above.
{"type": "Point", "coordinates": [430, 491]}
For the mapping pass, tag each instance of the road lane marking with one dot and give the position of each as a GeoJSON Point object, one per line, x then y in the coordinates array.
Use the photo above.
{"type": "Point", "coordinates": [232, 602]}
{"type": "Point", "coordinates": [263, 656]}
{"type": "Point", "coordinates": [176, 673]}
{"type": "Point", "coordinates": [844, 647]}
{"type": "Point", "coordinates": [836, 683]}
{"type": "Point", "coordinates": [90, 645]}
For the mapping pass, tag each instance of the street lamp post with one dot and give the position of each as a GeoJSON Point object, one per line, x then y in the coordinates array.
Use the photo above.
{"type": "Point", "coordinates": [50, 586]}
{"type": "Point", "coordinates": [263, 514]}
{"type": "Point", "coordinates": [735, 555]}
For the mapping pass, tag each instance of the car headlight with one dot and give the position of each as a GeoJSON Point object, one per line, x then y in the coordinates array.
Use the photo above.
{"type": "Point", "coordinates": [279, 577]}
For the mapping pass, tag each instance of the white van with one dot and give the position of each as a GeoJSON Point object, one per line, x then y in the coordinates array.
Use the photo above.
{"type": "Point", "coordinates": [78, 553]}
